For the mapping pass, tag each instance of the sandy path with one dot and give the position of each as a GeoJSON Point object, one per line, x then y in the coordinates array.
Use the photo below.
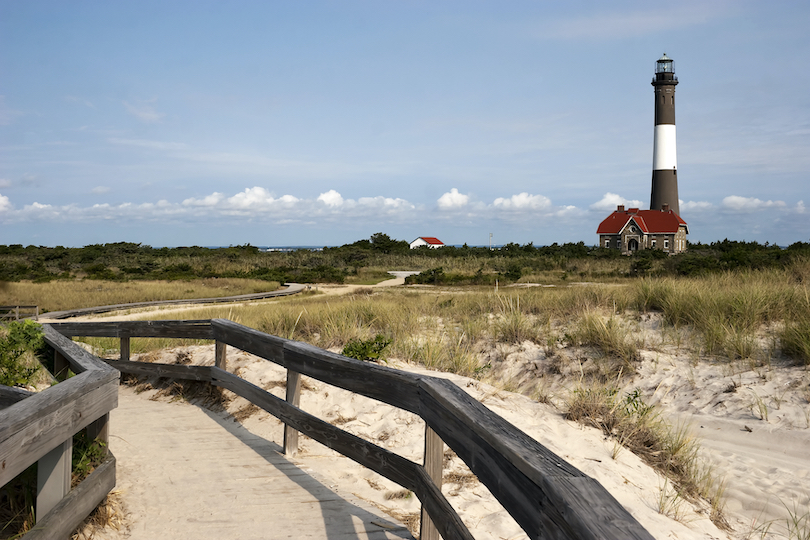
{"type": "Point", "coordinates": [186, 472]}
{"type": "Point", "coordinates": [136, 313]}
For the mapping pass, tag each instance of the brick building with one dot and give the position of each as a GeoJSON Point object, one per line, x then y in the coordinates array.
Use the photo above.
{"type": "Point", "coordinates": [633, 229]}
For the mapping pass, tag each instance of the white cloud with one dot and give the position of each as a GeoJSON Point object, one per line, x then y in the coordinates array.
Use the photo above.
{"type": "Point", "coordinates": [567, 211]}
{"type": "Point", "coordinates": [38, 206]}
{"type": "Point", "coordinates": [736, 203]}
{"type": "Point", "coordinates": [610, 201]}
{"type": "Point", "coordinates": [255, 204]}
{"type": "Point", "coordinates": [384, 202]}
{"type": "Point", "coordinates": [144, 112]}
{"type": "Point", "coordinates": [523, 201]}
{"type": "Point", "coordinates": [5, 183]}
{"type": "Point", "coordinates": [453, 199]}
{"type": "Point", "coordinates": [331, 198]}
{"type": "Point", "coordinates": [209, 200]}
{"type": "Point", "coordinates": [250, 198]}
{"type": "Point", "coordinates": [288, 200]}
{"type": "Point", "coordinates": [697, 206]}
{"type": "Point", "coordinates": [100, 189]}
{"type": "Point", "coordinates": [5, 204]}
{"type": "Point", "coordinates": [800, 208]}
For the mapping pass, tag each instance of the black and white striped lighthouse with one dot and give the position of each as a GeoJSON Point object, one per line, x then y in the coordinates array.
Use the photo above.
{"type": "Point", "coordinates": [665, 165]}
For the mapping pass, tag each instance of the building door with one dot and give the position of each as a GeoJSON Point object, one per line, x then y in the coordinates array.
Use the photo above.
{"type": "Point", "coordinates": [632, 245]}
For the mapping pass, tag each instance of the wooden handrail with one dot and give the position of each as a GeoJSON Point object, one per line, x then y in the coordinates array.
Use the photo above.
{"type": "Point", "coordinates": [14, 312]}
{"type": "Point", "coordinates": [39, 427]}
{"type": "Point", "coordinates": [547, 496]}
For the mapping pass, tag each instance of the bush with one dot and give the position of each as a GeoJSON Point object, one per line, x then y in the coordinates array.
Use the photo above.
{"type": "Point", "coordinates": [369, 350]}
{"type": "Point", "coordinates": [18, 340]}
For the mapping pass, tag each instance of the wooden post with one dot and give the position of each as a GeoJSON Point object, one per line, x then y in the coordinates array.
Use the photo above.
{"type": "Point", "coordinates": [124, 347]}
{"type": "Point", "coordinates": [100, 429]}
{"type": "Point", "coordinates": [219, 356]}
{"type": "Point", "coordinates": [53, 477]}
{"type": "Point", "coordinates": [294, 399]}
{"type": "Point", "coordinates": [60, 366]}
{"type": "Point", "coordinates": [434, 458]}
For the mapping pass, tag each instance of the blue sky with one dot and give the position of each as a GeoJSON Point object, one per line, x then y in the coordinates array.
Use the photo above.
{"type": "Point", "coordinates": [320, 123]}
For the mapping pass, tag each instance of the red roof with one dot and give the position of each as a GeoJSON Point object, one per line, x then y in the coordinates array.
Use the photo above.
{"type": "Point", "coordinates": [432, 241]}
{"type": "Point", "coordinates": [649, 221]}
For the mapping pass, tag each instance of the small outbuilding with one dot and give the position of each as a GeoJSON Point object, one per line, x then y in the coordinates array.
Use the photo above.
{"type": "Point", "coordinates": [428, 241]}
{"type": "Point", "coordinates": [633, 229]}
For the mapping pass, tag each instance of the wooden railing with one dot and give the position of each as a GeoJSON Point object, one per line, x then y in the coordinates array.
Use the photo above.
{"type": "Point", "coordinates": [548, 497]}
{"type": "Point", "coordinates": [39, 428]}
{"type": "Point", "coordinates": [19, 312]}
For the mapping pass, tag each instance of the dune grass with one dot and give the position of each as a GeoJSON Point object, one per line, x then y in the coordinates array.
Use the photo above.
{"type": "Point", "coordinates": [62, 295]}
{"type": "Point", "coordinates": [669, 449]}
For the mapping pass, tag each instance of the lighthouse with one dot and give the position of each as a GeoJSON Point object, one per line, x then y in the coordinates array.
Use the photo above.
{"type": "Point", "coordinates": [665, 167]}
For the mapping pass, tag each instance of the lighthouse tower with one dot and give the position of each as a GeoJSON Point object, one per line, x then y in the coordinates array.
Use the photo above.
{"type": "Point", "coordinates": [665, 166]}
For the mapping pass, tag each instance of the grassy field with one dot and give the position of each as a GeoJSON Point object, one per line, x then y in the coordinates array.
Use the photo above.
{"type": "Point", "coordinates": [61, 295]}
{"type": "Point", "coordinates": [749, 315]}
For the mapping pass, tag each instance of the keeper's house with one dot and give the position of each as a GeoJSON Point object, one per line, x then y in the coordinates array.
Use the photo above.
{"type": "Point", "coordinates": [427, 241]}
{"type": "Point", "coordinates": [633, 229]}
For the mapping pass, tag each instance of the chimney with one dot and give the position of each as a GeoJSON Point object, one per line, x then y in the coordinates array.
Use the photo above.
{"type": "Point", "coordinates": [665, 207]}
{"type": "Point", "coordinates": [620, 208]}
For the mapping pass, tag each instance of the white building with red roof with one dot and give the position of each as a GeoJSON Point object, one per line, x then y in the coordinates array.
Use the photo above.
{"type": "Point", "coordinates": [633, 229]}
{"type": "Point", "coordinates": [429, 241]}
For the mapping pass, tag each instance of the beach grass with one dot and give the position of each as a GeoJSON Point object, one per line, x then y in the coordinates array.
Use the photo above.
{"type": "Point", "coordinates": [63, 295]}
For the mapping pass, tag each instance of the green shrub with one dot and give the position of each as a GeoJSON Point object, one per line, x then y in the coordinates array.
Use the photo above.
{"type": "Point", "coordinates": [369, 350]}
{"type": "Point", "coordinates": [19, 340]}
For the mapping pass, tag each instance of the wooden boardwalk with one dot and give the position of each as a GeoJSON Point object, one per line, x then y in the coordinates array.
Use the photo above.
{"type": "Point", "coordinates": [186, 472]}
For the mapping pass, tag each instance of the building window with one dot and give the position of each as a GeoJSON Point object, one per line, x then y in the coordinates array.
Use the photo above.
{"type": "Point", "coordinates": [607, 243]}
{"type": "Point", "coordinates": [666, 244]}
{"type": "Point", "coordinates": [652, 244]}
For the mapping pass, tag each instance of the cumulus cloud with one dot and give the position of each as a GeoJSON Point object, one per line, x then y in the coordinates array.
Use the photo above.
{"type": "Point", "coordinates": [209, 200]}
{"type": "Point", "coordinates": [610, 201]}
{"type": "Point", "coordinates": [251, 198]}
{"type": "Point", "coordinates": [453, 199]}
{"type": "Point", "coordinates": [144, 112]}
{"type": "Point", "coordinates": [331, 198]}
{"type": "Point", "coordinates": [696, 206]}
{"type": "Point", "coordinates": [736, 203]}
{"type": "Point", "coordinates": [100, 189]}
{"type": "Point", "coordinates": [5, 204]}
{"type": "Point", "coordinates": [800, 209]}
{"type": "Point", "coordinates": [523, 201]}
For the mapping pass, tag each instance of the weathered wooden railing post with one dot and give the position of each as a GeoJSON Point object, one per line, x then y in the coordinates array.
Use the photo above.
{"type": "Point", "coordinates": [124, 347]}
{"type": "Point", "coordinates": [60, 366]}
{"type": "Point", "coordinates": [53, 477]}
{"type": "Point", "coordinates": [99, 429]}
{"type": "Point", "coordinates": [294, 399]}
{"type": "Point", "coordinates": [434, 461]}
{"type": "Point", "coordinates": [220, 359]}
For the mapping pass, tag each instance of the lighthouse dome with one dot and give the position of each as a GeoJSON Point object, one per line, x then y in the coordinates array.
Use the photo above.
{"type": "Point", "coordinates": [665, 64]}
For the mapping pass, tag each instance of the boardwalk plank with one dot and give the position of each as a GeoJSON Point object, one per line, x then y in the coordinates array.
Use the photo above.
{"type": "Point", "coordinates": [215, 479]}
